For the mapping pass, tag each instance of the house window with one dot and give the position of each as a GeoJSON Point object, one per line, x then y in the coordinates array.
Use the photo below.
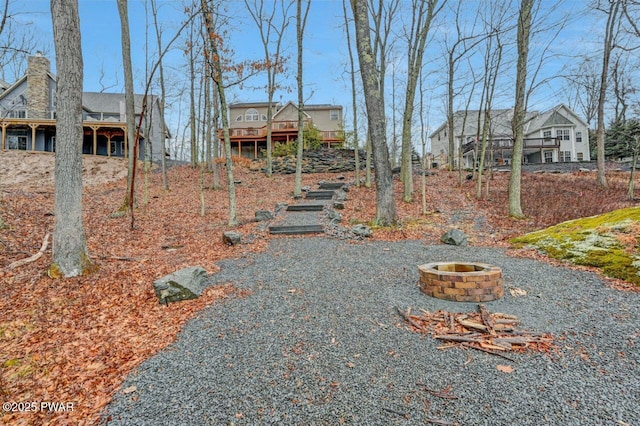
{"type": "Point", "coordinates": [546, 134]}
{"type": "Point", "coordinates": [264, 117]}
{"type": "Point", "coordinates": [565, 156]}
{"type": "Point", "coordinates": [17, 142]}
{"type": "Point", "coordinates": [17, 113]}
{"type": "Point", "coordinates": [562, 134]}
{"type": "Point", "coordinates": [578, 136]}
{"type": "Point", "coordinates": [334, 115]}
{"type": "Point", "coordinates": [580, 156]}
{"type": "Point", "coordinates": [239, 118]}
{"type": "Point", "coordinates": [548, 156]}
{"type": "Point", "coordinates": [251, 115]}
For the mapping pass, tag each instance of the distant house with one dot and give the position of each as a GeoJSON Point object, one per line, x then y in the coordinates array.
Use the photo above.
{"type": "Point", "coordinates": [556, 135]}
{"type": "Point", "coordinates": [248, 125]}
{"type": "Point", "coordinates": [28, 116]}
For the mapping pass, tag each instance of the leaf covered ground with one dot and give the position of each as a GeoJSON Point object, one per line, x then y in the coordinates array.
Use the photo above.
{"type": "Point", "coordinates": [74, 340]}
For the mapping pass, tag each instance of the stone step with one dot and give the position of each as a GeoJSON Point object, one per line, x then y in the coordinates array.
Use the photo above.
{"type": "Point", "coordinates": [306, 207]}
{"type": "Point", "coordinates": [296, 230]}
{"type": "Point", "coordinates": [319, 195]}
{"type": "Point", "coordinates": [331, 185]}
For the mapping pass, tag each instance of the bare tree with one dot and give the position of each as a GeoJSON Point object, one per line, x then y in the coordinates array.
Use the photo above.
{"type": "Point", "coordinates": [352, 74]}
{"type": "Point", "coordinates": [455, 53]}
{"type": "Point", "coordinates": [386, 213]}
{"type": "Point", "coordinates": [613, 11]}
{"type": "Point", "coordinates": [163, 95]}
{"type": "Point", "coordinates": [272, 24]}
{"type": "Point", "coordinates": [423, 14]}
{"type": "Point", "coordinates": [301, 21]}
{"type": "Point", "coordinates": [519, 110]}
{"type": "Point", "coordinates": [70, 253]}
{"type": "Point", "coordinates": [218, 75]}
{"type": "Point", "coordinates": [129, 104]}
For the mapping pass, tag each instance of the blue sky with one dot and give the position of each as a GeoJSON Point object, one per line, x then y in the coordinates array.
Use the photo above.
{"type": "Point", "coordinates": [325, 53]}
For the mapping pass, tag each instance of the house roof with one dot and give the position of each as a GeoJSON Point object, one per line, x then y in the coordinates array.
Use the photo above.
{"type": "Point", "coordinates": [288, 105]}
{"type": "Point", "coordinates": [252, 104]}
{"type": "Point", "coordinates": [110, 102]}
{"type": "Point", "coordinates": [560, 115]}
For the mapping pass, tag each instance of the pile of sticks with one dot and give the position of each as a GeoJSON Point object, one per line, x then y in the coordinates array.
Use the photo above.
{"type": "Point", "coordinates": [494, 333]}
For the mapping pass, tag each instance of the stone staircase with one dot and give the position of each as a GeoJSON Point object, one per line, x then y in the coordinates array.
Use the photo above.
{"type": "Point", "coordinates": [304, 217]}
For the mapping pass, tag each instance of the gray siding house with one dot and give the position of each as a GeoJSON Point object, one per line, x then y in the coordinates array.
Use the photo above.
{"type": "Point", "coordinates": [28, 116]}
{"type": "Point", "coordinates": [556, 135]}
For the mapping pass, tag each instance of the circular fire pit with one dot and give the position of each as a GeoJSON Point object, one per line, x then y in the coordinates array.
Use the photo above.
{"type": "Point", "coordinates": [461, 282]}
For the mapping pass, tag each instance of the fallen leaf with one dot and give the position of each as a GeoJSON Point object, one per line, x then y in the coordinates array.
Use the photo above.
{"type": "Point", "coordinates": [505, 368]}
{"type": "Point", "coordinates": [130, 389]}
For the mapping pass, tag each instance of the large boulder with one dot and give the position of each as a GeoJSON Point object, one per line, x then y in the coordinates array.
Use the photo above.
{"type": "Point", "coordinates": [454, 237]}
{"type": "Point", "coordinates": [185, 284]}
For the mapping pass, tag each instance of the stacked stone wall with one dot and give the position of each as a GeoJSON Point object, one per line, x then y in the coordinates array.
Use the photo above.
{"type": "Point", "coordinates": [38, 87]}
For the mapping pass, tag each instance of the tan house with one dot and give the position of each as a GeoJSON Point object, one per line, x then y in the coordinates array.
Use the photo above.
{"type": "Point", "coordinates": [28, 116]}
{"type": "Point", "coordinates": [556, 135]}
{"type": "Point", "coordinates": [248, 125]}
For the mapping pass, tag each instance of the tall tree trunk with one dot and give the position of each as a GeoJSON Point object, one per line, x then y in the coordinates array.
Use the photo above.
{"type": "Point", "coordinates": [385, 202]}
{"type": "Point", "coordinates": [520, 109]}
{"type": "Point", "coordinates": [163, 159]}
{"type": "Point", "coordinates": [192, 103]}
{"type": "Point", "coordinates": [70, 253]}
{"type": "Point", "coordinates": [129, 101]}
{"type": "Point", "coordinates": [609, 37]}
{"type": "Point", "coordinates": [354, 104]}
{"type": "Point", "coordinates": [217, 74]}
{"type": "Point", "coordinates": [300, 24]}
{"type": "Point", "coordinates": [421, 23]}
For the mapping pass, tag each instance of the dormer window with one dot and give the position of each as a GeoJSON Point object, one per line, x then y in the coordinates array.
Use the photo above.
{"type": "Point", "coordinates": [251, 115]}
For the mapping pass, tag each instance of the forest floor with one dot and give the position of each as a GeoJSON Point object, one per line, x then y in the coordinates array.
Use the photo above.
{"type": "Point", "coordinates": [75, 340]}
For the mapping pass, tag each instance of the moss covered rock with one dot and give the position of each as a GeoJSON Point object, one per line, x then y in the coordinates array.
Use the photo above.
{"type": "Point", "coordinates": [609, 241]}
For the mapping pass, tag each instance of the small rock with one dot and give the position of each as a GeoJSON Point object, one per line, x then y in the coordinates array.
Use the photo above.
{"type": "Point", "coordinates": [281, 207]}
{"type": "Point", "coordinates": [361, 230]}
{"type": "Point", "coordinates": [338, 205]}
{"type": "Point", "coordinates": [340, 177]}
{"type": "Point", "coordinates": [231, 238]}
{"type": "Point", "coordinates": [340, 196]}
{"type": "Point", "coordinates": [454, 237]}
{"type": "Point", "coordinates": [334, 216]}
{"type": "Point", "coordinates": [262, 215]}
{"type": "Point", "coordinates": [185, 284]}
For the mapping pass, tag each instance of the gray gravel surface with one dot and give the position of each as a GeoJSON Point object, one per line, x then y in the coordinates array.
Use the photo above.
{"type": "Point", "coordinates": [318, 341]}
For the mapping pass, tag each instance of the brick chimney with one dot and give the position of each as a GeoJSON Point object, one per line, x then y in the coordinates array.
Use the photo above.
{"type": "Point", "coordinates": [38, 86]}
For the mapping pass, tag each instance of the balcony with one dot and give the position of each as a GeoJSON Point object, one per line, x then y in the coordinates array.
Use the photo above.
{"type": "Point", "coordinates": [529, 143]}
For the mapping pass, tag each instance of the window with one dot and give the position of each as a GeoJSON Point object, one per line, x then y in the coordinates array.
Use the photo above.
{"type": "Point", "coordinates": [239, 118]}
{"type": "Point", "coordinates": [251, 115]}
{"type": "Point", "coordinates": [546, 134]}
{"type": "Point", "coordinates": [264, 117]}
{"type": "Point", "coordinates": [18, 113]}
{"type": "Point", "coordinates": [17, 142]}
{"type": "Point", "coordinates": [580, 156]}
{"type": "Point", "coordinates": [548, 156]}
{"type": "Point", "coordinates": [578, 136]}
{"type": "Point", "coordinates": [565, 156]}
{"type": "Point", "coordinates": [334, 115]}
{"type": "Point", "coordinates": [562, 134]}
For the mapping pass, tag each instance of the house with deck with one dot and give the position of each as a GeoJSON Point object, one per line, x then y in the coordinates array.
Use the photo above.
{"type": "Point", "coordinates": [28, 116]}
{"type": "Point", "coordinates": [556, 135]}
{"type": "Point", "coordinates": [248, 125]}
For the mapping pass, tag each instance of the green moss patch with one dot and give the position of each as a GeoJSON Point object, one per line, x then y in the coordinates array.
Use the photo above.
{"type": "Point", "coordinates": [609, 241]}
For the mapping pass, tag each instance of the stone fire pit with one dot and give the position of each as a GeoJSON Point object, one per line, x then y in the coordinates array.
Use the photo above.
{"type": "Point", "coordinates": [461, 281]}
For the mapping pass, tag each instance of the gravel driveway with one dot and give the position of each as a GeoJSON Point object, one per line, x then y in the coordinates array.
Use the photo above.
{"type": "Point", "coordinates": [318, 341]}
